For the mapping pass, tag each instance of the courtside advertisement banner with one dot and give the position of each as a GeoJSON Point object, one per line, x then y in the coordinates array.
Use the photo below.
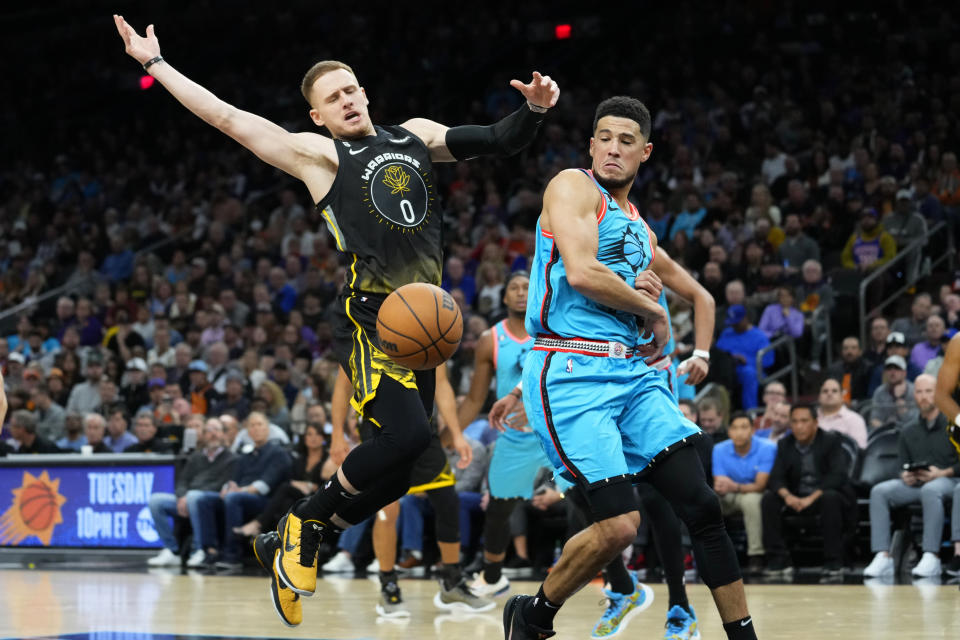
{"type": "Point", "coordinates": [80, 506]}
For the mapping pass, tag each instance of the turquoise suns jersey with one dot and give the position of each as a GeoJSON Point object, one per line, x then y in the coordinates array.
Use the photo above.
{"type": "Point", "coordinates": [556, 308]}
{"type": "Point", "coordinates": [509, 352]}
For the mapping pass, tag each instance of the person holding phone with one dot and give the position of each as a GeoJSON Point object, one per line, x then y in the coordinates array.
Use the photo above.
{"type": "Point", "coordinates": [930, 476]}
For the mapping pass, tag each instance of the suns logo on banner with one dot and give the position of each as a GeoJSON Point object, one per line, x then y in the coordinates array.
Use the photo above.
{"type": "Point", "coordinates": [35, 510]}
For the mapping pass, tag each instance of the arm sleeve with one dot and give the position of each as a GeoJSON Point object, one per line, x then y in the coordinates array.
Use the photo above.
{"type": "Point", "coordinates": [503, 138]}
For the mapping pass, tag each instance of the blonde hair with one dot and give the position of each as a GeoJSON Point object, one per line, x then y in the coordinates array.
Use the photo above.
{"type": "Point", "coordinates": [320, 69]}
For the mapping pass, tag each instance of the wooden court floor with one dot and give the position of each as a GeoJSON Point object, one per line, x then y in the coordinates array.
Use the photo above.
{"type": "Point", "coordinates": [51, 604]}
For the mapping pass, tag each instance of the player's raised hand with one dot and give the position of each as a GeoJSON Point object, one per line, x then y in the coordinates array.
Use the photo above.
{"type": "Point", "coordinates": [697, 368]}
{"type": "Point", "coordinates": [541, 92]}
{"type": "Point", "coordinates": [140, 49]}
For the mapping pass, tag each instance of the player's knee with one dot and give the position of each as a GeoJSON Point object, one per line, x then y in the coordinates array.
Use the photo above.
{"type": "Point", "coordinates": [618, 532]}
{"type": "Point", "coordinates": [702, 511]}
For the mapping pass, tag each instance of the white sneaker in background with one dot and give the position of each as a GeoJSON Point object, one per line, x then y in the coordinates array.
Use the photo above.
{"type": "Point", "coordinates": [165, 558]}
{"type": "Point", "coordinates": [197, 558]}
{"type": "Point", "coordinates": [881, 565]}
{"type": "Point", "coordinates": [340, 563]}
{"type": "Point", "coordinates": [928, 567]}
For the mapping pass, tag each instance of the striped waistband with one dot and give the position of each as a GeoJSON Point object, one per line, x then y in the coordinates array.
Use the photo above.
{"type": "Point", "coordinates": [661, 364]}
{"type": "Point", "coordinates": [600, 348]}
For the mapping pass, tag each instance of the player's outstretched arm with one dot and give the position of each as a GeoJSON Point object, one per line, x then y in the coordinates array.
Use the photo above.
{"type": "Point", "coordinates": [570, 204]}
{"type": "Point", "coordinates": [289, 152]}
{"type": "Point", "coordinates": [480, 382]}
{"type": "Point", "coordinates": [446, 401]}
{"type": "Point", "coordinates": [504, 138]}
{"type": "Point", "coordinates": [704, 310]}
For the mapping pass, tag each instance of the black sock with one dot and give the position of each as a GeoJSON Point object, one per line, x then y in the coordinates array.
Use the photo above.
{"type": "Point", "coordinates": [676, 591]}
{"type": "Point", "coordinates": [539, 611]}
{"type": "Point", "coordinates": [387, 577]}
{"type": "Point", "coordinates": [492, 571]}
{"type": "Point", "coordinates": [740, 629]}
{"type": "Point", "coordinates": [619, 578]}
{"type": "Point", "coordinates": [328, 499]}
{"type": "Point", "coordinates": [451, 575]}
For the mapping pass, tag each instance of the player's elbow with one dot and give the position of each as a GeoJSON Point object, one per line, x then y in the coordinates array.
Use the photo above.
{"type": "Point", "coordinates": [579, 278]}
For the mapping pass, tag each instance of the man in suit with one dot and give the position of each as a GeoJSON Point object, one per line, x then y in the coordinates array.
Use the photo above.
{"type": "Point", "coordinates": [809, 477]}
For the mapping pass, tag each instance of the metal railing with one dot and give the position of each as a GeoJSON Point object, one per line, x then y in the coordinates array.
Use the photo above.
{"type": "Point", "coordinates": [35, 301]}
{"type": "Point", "coordinates": [790, 369]}
{"type": "Point", "coordinates": [822, 334]}
{"type": "Point", "coordinates": [903, 255]}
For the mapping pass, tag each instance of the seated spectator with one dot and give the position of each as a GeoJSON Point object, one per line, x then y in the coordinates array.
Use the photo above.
{"type": "Point", "coordinates": [281, 377]}
{"type": "Point", "coordinates": [195, 497]}
{"type": "Point", "coordinates": [947, 185]}
{"type": "Point", "coordinates": [23, 429]}
{"type": "Point", "coordinates": [893, 400]}
{"type": "Point", "coordinates": [876, 351]}
{"type": "Point", "coordinates": [311, 468]}
{"type": "Point", "coordinates": [797, 247]}
{"type": "Point", "coordinates": [925, 351]}
{"type": "Point", "coordinates": [809, 477]}
{"type": "Point", "coordinates": [317, 416]}
{"type": "Point", "coordinates": [73, 438]}
{"type": "Point", "coordinates": [242, 441]}
{"type": "Point", "coordinates": [906, 226]}
{"type": "Point", "coordinates": [134, 388]}
{"type": "Point", "coordinates": [456, 277]}
{"type": "Point", "coordinates": [852, 371]}
{"type": "Point", "coordinates": [782, 317]}
{"type": "Point", "coordinates": [773, 394]}
{"type": "Point", "coordinates": [50, 415]}
{"type": "Point", "coordinates": [690, 218]}
{"type": "Point", "coordinates": [201, 392]}
{"type": "Point", "coordinates": [869, 246]}
{"type": "Point", "coordinates": [94, 429]}
{"type": "Point", "coordinates": [930, 476]}
{"type": "Point", "coordinates": [271, 401]}
{"type": "Point", "coordinates": [833, 414]}
{"type": "Point", "coordinates": [814, 291]}
{"type": "Point", "coordinates": [914, 326]}
{"type": "Point", "coordinates": [741, 467]}
{"type": "Point", "coordinates": [257, 474]}
{"type": "Point", "coordinates": [896, 346]}
{"type": "Point", "coordinates": [162, 351]}
{"type": "Point", "coordinates": [145, 428]}
{"type": "Point", "coordinates": [85, 396]}
{"type": "Point", "coordinates": [779, 423]}
{"type": "Point", "coordinates": [711, 419]}
{"type": "Point", "coordinates": [743, 341]}
{"type": "Point", "coordinates": [234, 400]}
{"type": "Point", "coordinates": [118, 437]}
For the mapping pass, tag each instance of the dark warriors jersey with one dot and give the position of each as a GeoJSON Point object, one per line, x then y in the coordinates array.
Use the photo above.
{"type": "Point", "coordinates": [383, 212]}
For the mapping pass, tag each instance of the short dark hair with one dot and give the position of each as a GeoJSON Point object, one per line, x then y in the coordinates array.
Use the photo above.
{"type": "Point", "coordinates": [738, 415]}
{"type": "Point", "coordinates": [805, 407]}
{"type": "Point", "coordinates": [625, 107]}
{"type": "Point", "coordinates": [690, 404]}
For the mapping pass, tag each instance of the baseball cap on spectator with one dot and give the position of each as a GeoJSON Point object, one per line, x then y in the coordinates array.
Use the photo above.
{"type": "Point", "coordinates": [95, 358]}
{"type": "Point", "coordinates": [137, 364]}
{"type": "Point", "coordinates": [153, 383]}
{"type": "Point", "coordinates": [198, 365]}
{"type": "Point", "coordinates": [735, 314]}
{"type": "Point", "coordinates": [904, 194]}
{"type": "Point", "coordinates": [870, 211]}
{"type": "Point", "coordinates": [16, 356]}
{"type": "Point", "coordinates": [55, 372]}
{"type": "Point", "coordinates": [235, 376]}
{"type": "Point", "coordinates": [199, 262]}
{"type": "Point", "coordinates": [895, 362]}
{"type": "Point", "coordinates": [896, 338]}
{"type": "Point", "coordinates": [264, 307]}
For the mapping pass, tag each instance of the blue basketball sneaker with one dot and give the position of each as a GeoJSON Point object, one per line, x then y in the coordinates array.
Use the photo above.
{"type": "Point", "coordinates": [681, 625]}
{"type": "Point", "coordinates": [620, 608]}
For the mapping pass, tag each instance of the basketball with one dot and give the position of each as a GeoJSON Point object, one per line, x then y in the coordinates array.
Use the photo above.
{"type": "Point", "coordinates": [419, 326]}
{"type": "Point", "coordinates": [38, 506]}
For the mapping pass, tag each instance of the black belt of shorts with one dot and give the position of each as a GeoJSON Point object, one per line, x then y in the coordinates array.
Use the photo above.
{"type": "Point", "coordinates": [584, 346]}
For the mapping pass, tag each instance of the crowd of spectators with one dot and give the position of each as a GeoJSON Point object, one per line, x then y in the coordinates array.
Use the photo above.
{"type": "Point", "coordinates": [802, 154]}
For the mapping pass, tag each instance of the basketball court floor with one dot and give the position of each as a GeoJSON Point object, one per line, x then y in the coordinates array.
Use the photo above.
{"type": "Point", "coordinates": [150, 605]}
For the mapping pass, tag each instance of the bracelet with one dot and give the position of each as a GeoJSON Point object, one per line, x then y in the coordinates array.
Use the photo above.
{"type": "Point", "coordinates": [536, 108]}
{"type": "Point", "coordinates": [152, 61]}
{"type": "Point", "coordinates": [517, 393]}
{"type": "Point", "coordinates": [702, 354]}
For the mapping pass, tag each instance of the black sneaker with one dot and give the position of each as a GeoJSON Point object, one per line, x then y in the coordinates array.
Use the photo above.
{"type": "Point", "coordinates": [832, 569]}
{"type": "Point", "coordinates": [264, 546]}
{"type": "Point", "coordinates": [517, 566]}
{"type": "Point", "coordinates": [514, 626]}
{"type": "Point", "coordinates": [755, 566]}
{"type": "Point", "coordinates": [954, 567]}
{"type": "Point", "coordinates": [778, 567]}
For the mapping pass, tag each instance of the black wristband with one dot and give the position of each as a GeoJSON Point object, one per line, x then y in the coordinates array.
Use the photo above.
{"type": "Point", "coordinates": [151, 62]}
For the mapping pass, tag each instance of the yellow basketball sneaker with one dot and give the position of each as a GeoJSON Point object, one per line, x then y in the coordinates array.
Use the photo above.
{"type": "Point", "coordinates": [296, 562]}
{"type": "Point", "coordinates": [286, 603]}
{"type": "Point", "coordinates": [953, 433]}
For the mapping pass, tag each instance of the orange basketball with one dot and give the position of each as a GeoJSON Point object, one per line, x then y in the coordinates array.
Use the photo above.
{"type": "Point", "coordinates": [419, 326]}
{"type": "Point", "coordinates": [38, 506]}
